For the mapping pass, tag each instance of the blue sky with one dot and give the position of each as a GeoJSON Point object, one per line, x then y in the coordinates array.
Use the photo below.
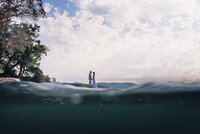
{"type": "Point", "coordinates": [122, 41]}
{"type": "Point", "coordinates": [62, 5]}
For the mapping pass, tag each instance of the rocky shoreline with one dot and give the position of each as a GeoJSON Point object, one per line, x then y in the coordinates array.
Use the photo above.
{"type": "Point", "coordinates": [8, 79]}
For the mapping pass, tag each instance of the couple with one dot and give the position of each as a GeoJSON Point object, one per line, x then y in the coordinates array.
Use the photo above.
{"type": "Point", "coordinates": [92, 81]}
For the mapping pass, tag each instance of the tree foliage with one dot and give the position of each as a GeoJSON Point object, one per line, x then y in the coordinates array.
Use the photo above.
{"type": "Point", "coordinates": [38, 76]}
{"type": "Point", "coordinates": [21, 8]}
{"type": "Point", "coordinates": [23, 52]}
{"type": "Point", "coordinates": [10, 9]}
{"type": "Point", "coordinates": [20, 50]}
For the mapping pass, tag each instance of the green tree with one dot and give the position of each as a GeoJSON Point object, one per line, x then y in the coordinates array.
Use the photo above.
{"type": "Point", "coordinates": [53, 79]}
{"type": "Point", "coordinates": [32, 9]}
{"type": "Point", "coordinates": [20, 51]}
{"type": "Point", "coordinates": [21, 8]}
{"type": "Point", "coordinates": [38, 76]}
{"type": "Point", "coordinates": [21, 57]}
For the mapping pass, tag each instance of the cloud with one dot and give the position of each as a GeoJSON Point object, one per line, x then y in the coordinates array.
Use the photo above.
{"type": "Point", "coordinates": [47, 7]}
{"type": "Point", "coordinates": [130, 40]}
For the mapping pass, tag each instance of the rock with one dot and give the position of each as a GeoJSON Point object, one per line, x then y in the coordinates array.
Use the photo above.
{"type": "Point", "coordinates": [8, 79]}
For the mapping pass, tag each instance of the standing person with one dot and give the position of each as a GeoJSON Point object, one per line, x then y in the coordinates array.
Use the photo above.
{"type": "Point", "coordinates": [94, 85]}
{"type": "Point", "coordinates": [90, 78]}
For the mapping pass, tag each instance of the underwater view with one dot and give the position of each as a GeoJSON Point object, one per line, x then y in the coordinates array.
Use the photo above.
{"type": "Point", "coordinates": [74, 108]}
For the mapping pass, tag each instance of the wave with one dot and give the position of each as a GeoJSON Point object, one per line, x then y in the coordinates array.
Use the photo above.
{"type": "Point", "coordinates": [78, 93]}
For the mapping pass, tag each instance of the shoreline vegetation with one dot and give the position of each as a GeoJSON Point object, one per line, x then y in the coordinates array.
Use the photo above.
{"type": "Point", "coordinates": [20, 49]}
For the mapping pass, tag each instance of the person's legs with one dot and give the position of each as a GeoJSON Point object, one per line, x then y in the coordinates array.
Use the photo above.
{"type": "Point", "coordinates": [90, 82]}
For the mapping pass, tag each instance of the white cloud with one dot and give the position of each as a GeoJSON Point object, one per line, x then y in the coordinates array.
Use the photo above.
{"type": "Point", "coordinates": [47, 7]}
{"type": "Point", "coordinates": [130, 40]}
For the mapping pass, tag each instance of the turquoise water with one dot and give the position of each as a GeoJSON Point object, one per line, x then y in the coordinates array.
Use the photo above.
{"type": "Point", "coordinates": [30, 108]}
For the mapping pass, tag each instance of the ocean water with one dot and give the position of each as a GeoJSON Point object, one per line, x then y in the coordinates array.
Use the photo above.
{"type": "Point", "coordinates": [113, 108]}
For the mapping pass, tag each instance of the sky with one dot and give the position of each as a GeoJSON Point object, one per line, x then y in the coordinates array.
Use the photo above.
{"type": "Point", "coordinates": [122, 41]}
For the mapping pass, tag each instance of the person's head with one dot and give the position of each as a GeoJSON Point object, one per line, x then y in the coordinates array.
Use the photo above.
{"type": "Point", "coordinates": [90, 71]}
{"type": "Point", "coordinates": [93, 72]}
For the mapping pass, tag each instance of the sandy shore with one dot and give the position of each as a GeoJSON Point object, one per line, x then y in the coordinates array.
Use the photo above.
{"type": "Point", "coordinates": [8, 79]}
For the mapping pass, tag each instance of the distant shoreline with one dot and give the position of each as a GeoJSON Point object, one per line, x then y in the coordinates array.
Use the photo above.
{"type": "Point", "coordinates": [8, 79]}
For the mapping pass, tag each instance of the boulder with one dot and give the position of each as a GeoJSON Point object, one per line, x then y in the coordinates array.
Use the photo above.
{"type": "Point", "coordinates": [8, 79]}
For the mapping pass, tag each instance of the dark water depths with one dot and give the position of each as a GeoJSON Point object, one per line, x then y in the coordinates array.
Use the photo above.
{"type": "Point", "coordinates": [30, 108]}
